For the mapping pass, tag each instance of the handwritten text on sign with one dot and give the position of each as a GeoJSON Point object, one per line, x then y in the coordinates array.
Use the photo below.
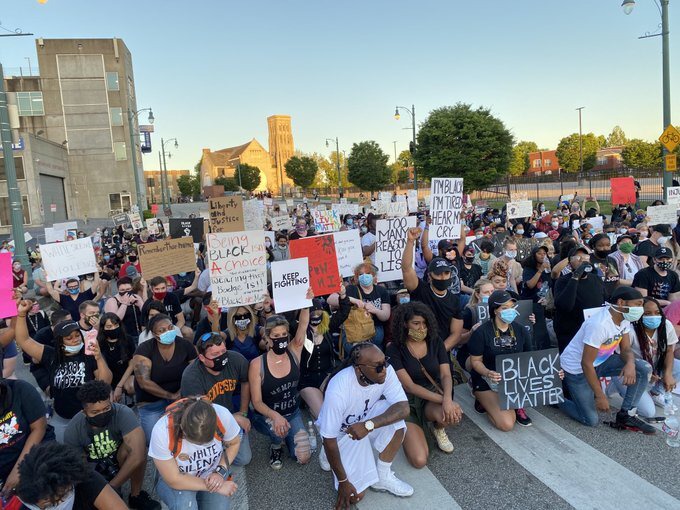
{"type": "Point", "coordinates": [529, 379]}
{"type": "Point", "coordinates": [72, 258]}
{"type": "Point", "coordinates": [290, 281]}
{"type": "Point", "coordinates": [324, 275]}
{"type": "Point", "coordinates": [446, 203]}
{"type": "Point", "coordinates": [326, 221]}
{"type": "Point", "coordinates": [662, 214]}
{"type": "Point", "coordinates": [226, 214]}
{"type": "Point", "coordinates": [167, 257]}
{"type": "Point", "coordinates": [238, 267]}
{"type": "Point", "coordinates": [348, 250]}
{"type": "Point", "coordinates": [521, 209]}
{"type": "Point", "coordinates": [389, 246]}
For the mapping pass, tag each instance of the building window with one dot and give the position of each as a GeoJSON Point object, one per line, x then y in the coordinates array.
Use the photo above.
{"type": "Point", "coordinates": [547, 162]}
{"type": "Point", "coordinates": [5, 215]}
{"type": "Point", "coordinates": [18, 165]}
{"type": "Point", "coordinates": [116, 116]}
{"type": "Point", "coordinates": [537, 163]}
{"type": "Point", "coordinates": [30, 104]}
{"type": "Point", "coordinates": [119, 202]}
{"type": "Point", "coordinates": [601, 161]}
{"type": "Point", "coordinates": [120, 150]}
{"type": "Point", "coordinates": [112, 82]}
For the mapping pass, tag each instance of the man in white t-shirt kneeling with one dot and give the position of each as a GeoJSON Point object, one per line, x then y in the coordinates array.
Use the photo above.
{"type": "Point", "coordinates": [364, 408]}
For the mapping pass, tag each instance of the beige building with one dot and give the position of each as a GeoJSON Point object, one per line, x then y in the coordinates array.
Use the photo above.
{"type": "Point", "coordinates": [152, 181]}
{"type": "Point", "coordinates": [224, 162]}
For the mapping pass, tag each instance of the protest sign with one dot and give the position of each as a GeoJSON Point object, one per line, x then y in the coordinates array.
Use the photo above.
{"type": "Point", "coordinates": [481, 206]}
{"type": "Point", "coordinates": [525, 307]}
{"type": "Point", "coordinates": [290, 203]}
{"type": "Point", "coordinates": [596, 222]}
{"type": "Point", "coordinates": [8, 307]}
{"type": "Point", "coordinates": [519, 196]}
{"type": "Point", "coordinates": [189, 227]}
{"type": "Point", "coordinates": [623, 190]}
{"type": "Point", "coordinates": [389, 246]}
{"type": "Point", "coordinates": [68, 259]}
{"type": "Point", "coordinates": [51, 236]}
{"type": "Point", "coordinates": [567, 198]}
{"type": "Point", "coordinates": [343, 200]}
{"type": "Point", "coordinates": [238, 267]}
{"type": "Point", "coordinates": [401, 198]}
{"type": "Point", "coordinates": [268, 201]}
{"type": "Point", "coordinates": [673, 194]}
{"type": "Point", "coordinates": [253, 214]}
{"type": "Point", "coordinates": [364, 201]}
{"type": "Point", "coordinates": [412, 200]}
{"type": "Point", "coordinates": [60, 230]}
{"type": "Point", "coordinates": [152, 226]}
{"type": "Point", "coordinates": [343, 209]}
{"type": "Point", "coordinates": [662, 214]}
{"type": "Point", "coordinates": [482, 312]}
{"type": "Point", "coordinates": [323, 262]}
{"type": "Point", "coordinates": [226, 214]}
{"type": "Point", "coordinates": [390, 209]}
{"type": "Point", "coordinates": [120, 219]}
{"type": "Point", "coordinates": [167, 257]}
{"type": "Point", "coordinates": [326, 221]}
{"type": "Point", "coordinates": [348, 251]}
{"type": "Point", "coordinates": [281, 223]}
{"type": "Point", "coordinates": [522, 209]}
{"type": "Point", "coordinates": [446, 203]}
{"type": "Point", "coordinates": [385, 196]}
{"type": "Point", "coordinates": [290, 282]}
{"type": "Point", "coordinates": [136, 221]}
{"type": "Point", "coordinates": [529, 379]}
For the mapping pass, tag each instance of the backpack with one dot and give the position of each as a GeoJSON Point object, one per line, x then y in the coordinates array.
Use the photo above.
{"type": "Point", "coordinates": [359, 325]}
{"type": "Point", "coordinates": [174, 442]}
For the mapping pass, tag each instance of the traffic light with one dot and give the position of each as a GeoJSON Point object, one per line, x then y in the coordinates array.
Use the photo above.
{"type": "Point", "coordinates": [412, 147]}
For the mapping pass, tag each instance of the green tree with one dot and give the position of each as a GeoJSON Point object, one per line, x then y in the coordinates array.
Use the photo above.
{"type": "Point", "coordinates": [186, 185]}
{"type": "Point", "coordinates": [520, 157]}
{"type": "Point", "coordinates": [616, 137]}
{"type": "Point", "coordinates": [459, 141]}
{"type": "Point", "coordinates": [228, 183]}
{"type": "Point", "coordinates": [249, 176]}
{"type": "Point", "coordinates": [302, 170]}
{"type": "Point", "coordinates": [640, 154]}
{"type": "Point", "coordinates": [367, 165]}
{"type": "Point", "coordinates": [405, 158]}
{"type": "Point", "coordinates": [568, 151]}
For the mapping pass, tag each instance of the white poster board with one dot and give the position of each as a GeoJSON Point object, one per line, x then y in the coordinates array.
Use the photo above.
{"type": "Point", "coordinates": [662, 214]}
{"type": "Point", "coordinates": [290, 282]}
{"type": "Point", "coordinates": [385, 196]}
{"type": "Point", "coordinates": [389, 246]}
{"type": "Point", "coordinates": [348, 251]}
{"type": "Point", "coordinates": [152, 226]}
{"type": "Point", "coordinates": [596, 222]}
{"type": "Point", "coordinates": [673, 194]}
{"type": "Point", "coordinates": [390, 209]}
{"type": "Point", "coordinates": [446, 204]}
{"type": "Point", "coordinates": [343, 209]}
{"type": "Point", "coordinates": [326, 221]}
{"type": "Point", "coordinates": [521, 209]}
{"type": "Point", "coordinates": [68, 259]}
{"type": "Point", "coordinates": [253, 214]}
{"type": "Point", "coordinates": [281, 223]}
{"type": "Point", "coordinates": [412, 201]}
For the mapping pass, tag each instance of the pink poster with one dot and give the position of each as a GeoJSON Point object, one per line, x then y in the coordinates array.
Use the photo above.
{"type": "Point", "coordinates": [8, 307]}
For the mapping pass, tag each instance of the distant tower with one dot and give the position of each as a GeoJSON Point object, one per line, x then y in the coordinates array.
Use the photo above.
{"type": "Point", "coordinates": [281, 146]}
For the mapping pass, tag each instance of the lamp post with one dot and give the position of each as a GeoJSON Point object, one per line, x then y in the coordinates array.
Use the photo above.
{"type": "Point", "coordinates": [165, 166]}
{"type": "Point", "coordinates": [337, 162]}
{"type": "Point", "coordinates": [133, 151]}
{"type": "Point", "coordinates": [412, 146]}
{"type": "Point", "coordinates": [160, 175]}
{"type": "Point", "coordinates": [628, 6]}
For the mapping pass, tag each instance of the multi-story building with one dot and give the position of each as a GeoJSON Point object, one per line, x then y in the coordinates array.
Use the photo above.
{"type": "Point", "coordinates": [152, 181]}
{"type": "Point", "coordinates": [543, 162]}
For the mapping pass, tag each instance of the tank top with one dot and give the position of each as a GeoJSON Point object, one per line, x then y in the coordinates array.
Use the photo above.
{"type": "Point", "coordinates": [132, 319]}
{"type": "Point", "coordinates": [281, 395]}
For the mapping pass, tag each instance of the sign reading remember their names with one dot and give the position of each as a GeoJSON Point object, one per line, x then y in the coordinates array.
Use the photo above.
{"type": "Point", "coordinates": [188, 227]}
{"type": "Point", "coordinates": [167, 257]}
{"type": "Point", "coordinates": [389, 246]}
{"type": "Point", "coordinates": [237, 262]}
{"type": "Point", "coordinates": [290, 282]}
{"type": "Point", "coordinates": [662, 214]}
{"type": "Point", "coordinates": [226, 214]}
{"type": "Point", "coordinates": [446, 203]}
{"type": "Point", "coordinates": [521, 209]}
{"type": "Point", "coordinates": [68, 259]}
{"type": "Point", "coordinates": [529, 379]}
{"type": "Point", "coordinates": [348, 251]}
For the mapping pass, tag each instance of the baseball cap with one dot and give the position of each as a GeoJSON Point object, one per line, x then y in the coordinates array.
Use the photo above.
{"type": "Point", "coordinates": [498, 297]}
{"type": "Point", "coordinates": [577, 249]}
{"type": "Point", "coordinates": [439, 265]}
{"type": "Point", "coordinates": [65, 328]}
{"type": "Point", "coordinates": [445, 245]}
{"type": "Point", "coordinates": [625, 293]}
{"type": "Point", "coordinates": [663, 253]}
{"type": "Point", "coordinates": [131, 272]}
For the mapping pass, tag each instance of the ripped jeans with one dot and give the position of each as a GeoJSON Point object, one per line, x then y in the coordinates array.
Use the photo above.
{"type": "Point", "coordinates": [296, 425]}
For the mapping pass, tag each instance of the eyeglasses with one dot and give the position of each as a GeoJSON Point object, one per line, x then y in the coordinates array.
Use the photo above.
{"type": "Point", "coordinates": [378, 368]}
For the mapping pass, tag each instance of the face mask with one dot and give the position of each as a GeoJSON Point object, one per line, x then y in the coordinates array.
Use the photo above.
{"type": "Point", "coordinates": [182, 275]}
{"type": "Point", "coordinates": [73, 292]}
{"type": "Point", "coordinates": [132, 258]}
{"type": "Point", "coordinates": [511, 254]}
{"type": "Point", "coordinates": [315, 320]}
{"type": "Point", "coordinates": [282, 247]}
{"type": "Point", "coordinates": [417, 334]}
{"type": "Point", "coordinates": [469, 260]}
{"type": "Point", "coordinates": [664, 266]}
{"type": "Point", "coordinates": [366, 279]}
{"type": "Point", "coordinates": [542, 208]}
{"type": "Point", "coordinates": [441, 284]}
{"type": "Point", "coordinates": [485, 299]}
{"type": "Point", "coordinates": [663, 240]}
{"type": "Point", "coordinates": [242, 324]}
{"type": "Point", "coordinates": [364, 230]}
{"type": "Point", "coordinates": [300, 230]}
{"type": "Point", "coordinates": [349, 222]}
{"type": "Point", "coordinates": [633, 314]}
{"type": "Point", "coordinates": [73, 349]}
{"type": "Point", "coordinates": [101, 420]}
{"type": "Point", "coordinates": [219, 362]}
{"type": "Point", "coordinates": [107, 258]}
{"type": "Point", "coordinates": [626, 248]}
{"type": "Point", "coordinates": [623, 230]}
{"type": "Point", "coordinates": [279, 345]}
{"type": "Point", "coordinates": [519, 232]}
{"type": "Point", "coordinates": [591, 231]}
{"type": "Point", "coordinates": [89, 278]}
{"type": "Point", "coordinates": [555, 224]}
{"type": "Point", "coordinates": [112, 333]}
{"type": "Point", "coordinates": [168, 337]}
{"type": "Point", "coordinates": [643, 234]}
{"type": "Point", "coordinates": [508, 315]}
{"type": "Point", "coordinates": [478, 236]}
{"type": "Point", "coordinates": [66, 503]}
{"type": "Point", "coordinates": [159, 296]}
{"type": "Point", "coordinates": [16, 267]}
{"type": "Point", "coordinates": [652, 321]}
{"type": "Point", "coordinates": [268, 244]}
{"type": "Point", "coordinates": [601, 253]}
{"type": "Point", "coordinates": [404, 299]}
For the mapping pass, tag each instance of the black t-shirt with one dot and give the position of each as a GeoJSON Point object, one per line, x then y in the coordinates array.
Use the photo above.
{"type": "Point", "coordinates": [541, 287]}
{"type": "Point", "coordinates": [167, 374]}
{"type": "Point", "coordinates": [113, 354]}
{"type": "Point", "coordinates": [377, 297]}
{"type": "Point", "coordinates": [488, 342]}
{"type": "Point", "coordinates": [172, 306]}
{"type": "Point", "coordinates": [196, 380]}
{"type": "Point", "coordinates": [86, 492]}
{"type": "Point", "coordinates": [66, 378]}
{"type": "Point", "coordinates": [444, 307]}
{"type": "Point", "coordinates": [657, 286]}
{"type": "Point", "coordinates": [36, 322]}
{"type": "Point", "coordinates": [401, 357]}
{"type": "Point", "coordinates": [469, 277]}
{"type": "Point", "coordinates": [71, 305]}
{"type": "Point", "coordinates": [646, 248]}
{"type": "Point", "coordinates": [204, 327]}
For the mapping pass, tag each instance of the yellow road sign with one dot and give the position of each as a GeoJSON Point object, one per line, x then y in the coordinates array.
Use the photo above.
{"type": "Point", "coordinates": [671, 163]}
{"type": "Point", "coordinates": [670, 138]}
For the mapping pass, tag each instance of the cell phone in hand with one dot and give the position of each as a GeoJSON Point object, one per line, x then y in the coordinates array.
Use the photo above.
{"type": "Point", "coordinates": [90, 341]}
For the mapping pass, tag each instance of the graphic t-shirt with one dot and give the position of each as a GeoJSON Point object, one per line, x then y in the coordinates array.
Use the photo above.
{"type": "Point", "coordinates": [66, 378]}
{"type": "Point", "coordinates": [377, 297]}
{"type": "Point", "coordinates": [196, 380]}
{"type": "Point", "coordinates": [193, 459]}
{"type": "Point", "coordinates": [657, 286]}
{"type": "Point", "coordinates": [652, 343]}
{"type": "Point", "coordinates": [444, 307]}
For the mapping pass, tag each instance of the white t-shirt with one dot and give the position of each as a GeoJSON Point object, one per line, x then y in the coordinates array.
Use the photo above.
{"type": "Point", "coordinates": [671, 340]}
{"type": "Point", "coordinates": [598, 331]}
{"type": "Point", "coordinates": [193, 459]}
{"type": "Point", "coordinates": [349, 402]}
{"type": "Point", "coordinates": [367, 240]}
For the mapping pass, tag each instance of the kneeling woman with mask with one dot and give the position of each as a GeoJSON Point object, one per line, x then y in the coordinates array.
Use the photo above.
{"type": "Point", "coordinates": [496, 337]}
{"type": "Point", "coordinates": [244, 335]}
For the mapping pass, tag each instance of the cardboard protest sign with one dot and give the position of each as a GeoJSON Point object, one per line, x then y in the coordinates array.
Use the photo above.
{"type": "Point", "coordinates": [281, 223]}
{"type": "Point", "coordinates": [348, 251]}
{"type": "Point", "coordinates": [226, 214]}
{"type": "Point", "coordinates": [390, 209]}
{"type": "Point", "coordinates": [446, 204]}
{"type": "Point", "coordinates": [253, 214]}
{"type": "Point", "coordinates": [529, 379]}
{"type": "Point", "coordinates": [412, 200]}
{"type": "Point", "coordinates": [167, 257]}
{"type": "Point", "coordinates": [136, 221]}
{"type": "Point", "coordinates": [623, 190]}
{"type": "Point", "coordinates": [189, 227]}
{"type": "Point", "coordinates": [662, 214]}
{"type": "Point", "coordinates": [326, 221]}
{"type": "Point", "coordinates": [237, 262]}
{"type": "Point", "coordinates": [522, 209]}
{"type": "Point", "coordinates": [290, 281]}
{"type": "Point", "coordinates": [673, 194]}
{"type": "Point", "coordinates": [323, 262]}
{"type": "Point", "coordinates": [8, 308]}
{"type": "Point", "coordinates": [68, 259]}
{"type": "Point", "coordinates": [389, 246]}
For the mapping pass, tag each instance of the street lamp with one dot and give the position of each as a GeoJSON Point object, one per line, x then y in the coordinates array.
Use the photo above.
{"type": "Point", "coordinates": [412, 146]}
{"type": "Point", "coordinates": [133, 151]}
{"type": "Point", "coordinates": [337, 161]}
{"type": "Point", "coordinates": [628, 6]}
{"type": "Point", "coordinates": [164, 170]}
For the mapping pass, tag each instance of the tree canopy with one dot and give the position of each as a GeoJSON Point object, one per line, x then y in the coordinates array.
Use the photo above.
{"type": "Point", "coordinates": [568, 151]}
{"type": "Point", "coordinates": [250, 176]}
{"type": "Point", "coordinates": [367, 164]}
{"type": "Point", "coordinates": [616, 137]}
{"type": "Point", "coordinates": [302, 170]}
{"type": "Point", "coordinates": [520, 157]}
{"type": "Point", "coordinates": [640, 154]}
{"type": "Point", "coordinates": [229, 183]}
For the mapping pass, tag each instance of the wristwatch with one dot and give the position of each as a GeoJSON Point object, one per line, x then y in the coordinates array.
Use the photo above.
{"type": "Point", "coordinates": [369, 425]}
{"type": "Point", "coordinates": [224, 473]}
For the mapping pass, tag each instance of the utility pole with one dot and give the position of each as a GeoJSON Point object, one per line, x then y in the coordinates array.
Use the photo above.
{"type": "Point", "coordinates": [580, 137]}
{"type": "Point", "coordinates": [160, 173]}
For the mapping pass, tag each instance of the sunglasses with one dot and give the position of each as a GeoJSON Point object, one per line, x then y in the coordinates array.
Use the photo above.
{"type": "Point", "coordinates": [378, 368]}
{"type": "Point", "coordinates": [208, 336]}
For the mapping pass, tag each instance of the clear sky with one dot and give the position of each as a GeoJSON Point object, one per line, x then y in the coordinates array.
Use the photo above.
{"type": "Point", "coordinates": [213, 70]}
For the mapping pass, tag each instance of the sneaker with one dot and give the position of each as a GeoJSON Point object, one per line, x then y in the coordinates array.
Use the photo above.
{"type": "Point", "coordinates": [479, 407]}
{"type": "Point", "coordinates": [522, 418]}
{"type": "Point", "coordinates": [275, 458]}
{"type": "Point", "coordinates": [323, 460]}
{"type": "Point", "coordinates": [393, 485]}
{"type": "Point", "coordinates": [143, 502]}
{"type": "Point", "coordinates": [659, 401]}
{"type": "Point", "coordinates": [443, 441]}
{"type": "Point", "coordinates": [628, 420]}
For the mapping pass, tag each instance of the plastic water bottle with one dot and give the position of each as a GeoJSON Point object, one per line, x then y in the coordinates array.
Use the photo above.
{"type": "Point", "coordinates": [493, 385]}
{"type": "Point", "coordinates": [668, 405]}
{"type": "Point", "coordinates": [670, 428]}
{"type": "Point", "coordinates": [312, 436]}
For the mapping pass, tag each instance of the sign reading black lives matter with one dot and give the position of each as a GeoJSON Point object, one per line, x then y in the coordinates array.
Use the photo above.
{"type": "Point", "coordinates": [187, 227]}
{"type": "Point", "coordinates": [529, 379]}
{"type": "Point", "coordinates": [446, 203]}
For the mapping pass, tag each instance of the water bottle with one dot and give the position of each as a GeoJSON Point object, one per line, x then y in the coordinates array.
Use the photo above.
{"type": "Point", "coordinates": [670, 428]}
{"type": "Point", "coordinates": [312, 436]}
{"type": "Point", "coordinates": [668, 407]}
{"type": "Point", "coordinates": [493, 385]}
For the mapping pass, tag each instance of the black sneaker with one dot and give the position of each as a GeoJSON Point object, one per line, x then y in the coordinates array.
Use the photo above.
{"type": "Point", "coordinates": [625, 420]}
{"type": "Point", "coordinates": [143, 502]}
{"type": "Point", "coordinates": [522, 418]}
{"type": "Point", "coordinates": [479, 407]}
{"type": "Point", "coordinates": [275, 458]}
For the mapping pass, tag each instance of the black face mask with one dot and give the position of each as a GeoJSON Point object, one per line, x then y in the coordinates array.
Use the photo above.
{"type": "Point", "coordinates": [132, 258]}
{"type": "Point", "coordinates": [441, 284]}
{"type": "Point", "coordinates": [469, 260]}
{"type": "Point", "coordinates": [101, 420]}
{"type": "Point", "coordinates": [112, 333]}
{"type": "Point", "coordinates": [600, 254]}
{"type": "Point", "coordinates": [315, 321]}
{"type": "Point", "coordinates": [280, 345]}
{"type": "Point", "coordinates": [219, 362]}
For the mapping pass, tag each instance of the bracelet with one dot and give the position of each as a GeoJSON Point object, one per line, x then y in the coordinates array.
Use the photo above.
{"type": "Point", "coordinates": [244, 414]}
{"type": "Point", "coordinates": [342, 481]}
{"type": "Point", "coordinates": [22, 316]}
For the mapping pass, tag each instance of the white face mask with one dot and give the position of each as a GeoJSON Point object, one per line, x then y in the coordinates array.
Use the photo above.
{"type": "Point", "coordinates": [511, 254]}
{"type": "Point", "coordinates": [663, 240]}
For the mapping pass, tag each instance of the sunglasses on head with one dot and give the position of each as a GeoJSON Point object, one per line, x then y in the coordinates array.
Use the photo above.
{"type": "Point", "coordinates": [208, 336]}
{"type": "Point", "coordinates": [379, 367]}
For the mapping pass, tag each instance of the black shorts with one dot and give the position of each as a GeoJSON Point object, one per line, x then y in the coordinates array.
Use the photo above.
{"type": "Point", "coordinates": [478, 382]}
{"type": "Point", "coordinates": [312, 380]}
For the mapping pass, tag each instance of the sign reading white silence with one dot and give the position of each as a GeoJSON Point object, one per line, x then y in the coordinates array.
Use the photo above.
{"type": "Point", "coordinates": [389, 246]}
{"type": "Point", "coordinates": [290, 282]}
{"type": "Point", "coordinates": [348, 251]}
{"type": "Point", "coordinates": [68, 259]}
{"type": "Point", "coordinates": [446, 203]}
{"type": "Point", "coordinates": [238, 267]}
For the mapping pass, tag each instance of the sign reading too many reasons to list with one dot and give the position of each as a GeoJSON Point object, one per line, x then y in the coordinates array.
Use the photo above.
{"type": "Point", "coordinates": [167, 257]}
{"type": "Point", "coordinates": [389, 246]}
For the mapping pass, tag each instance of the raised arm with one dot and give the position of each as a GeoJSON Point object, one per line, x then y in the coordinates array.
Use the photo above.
{"type": "Point", "coordinates": [407, 270]}
{"type": "Point", "coordinates": [26, 343]}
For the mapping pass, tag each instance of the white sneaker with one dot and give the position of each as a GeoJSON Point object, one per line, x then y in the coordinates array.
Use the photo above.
{"type": "Point", "coordinates": [393, 485]}
{"type": "Point", "coordinates": [323, 460]}
{"type": "Point", "coordinates": [443, 441]}
{"type": "Point", "coordinates": [659, 402]}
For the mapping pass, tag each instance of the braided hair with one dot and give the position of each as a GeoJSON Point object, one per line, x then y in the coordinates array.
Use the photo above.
{"type": "Point", "coordinates": [353, 359]}
{"type": "Point", "coordinates": [661, 339]}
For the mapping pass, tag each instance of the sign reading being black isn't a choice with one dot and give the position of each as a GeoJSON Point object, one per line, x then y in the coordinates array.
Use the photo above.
{"type": "Point", "coordinates": [529, 379]}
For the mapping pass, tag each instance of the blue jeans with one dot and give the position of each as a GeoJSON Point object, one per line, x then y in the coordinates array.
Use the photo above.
{"type": "Point", "coordinates": [296, 425]}
{"type": "Point", "coordinates": [149, 414]}
{"type": "Point", "coordinates": [190, 500]}
{"type": "Point", "coordinates": [244, 455]}
{"type": "Point", "coordinates": [646, 405]}
{"type": "Point", "coordinates": [463, 299]}
{"type": "Point", "coordinates": [581, 407]}
{"type": "Point", "coordinates": [377, 339]}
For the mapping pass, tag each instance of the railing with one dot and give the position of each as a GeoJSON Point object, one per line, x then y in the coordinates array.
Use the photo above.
{"type": "Point", "coordinates": [21, 71]}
